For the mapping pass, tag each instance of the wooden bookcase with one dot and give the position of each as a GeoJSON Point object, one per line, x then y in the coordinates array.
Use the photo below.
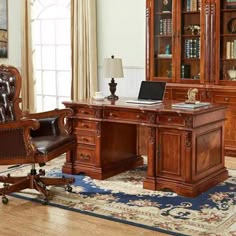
{"type": "Point", "coordinates": [192, 43]}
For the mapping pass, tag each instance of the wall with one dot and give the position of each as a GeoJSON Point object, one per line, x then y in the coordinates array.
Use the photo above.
{"type": "Point", "coordinates": [121, 32]}
{"type": "Point", "coordinates": [14, 35]}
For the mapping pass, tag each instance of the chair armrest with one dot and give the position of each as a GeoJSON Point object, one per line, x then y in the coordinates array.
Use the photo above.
{"type": "Point", "coordinates": [48, 127]}
{"type": "Point", "coordinates": [16, 140]}
{"type": "Point", "coordinates": [22, 123]}
{"type": "Point", "coordinates": [53, 122]}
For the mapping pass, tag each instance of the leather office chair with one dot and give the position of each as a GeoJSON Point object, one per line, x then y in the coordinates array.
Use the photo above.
{"type": "Point", "coordinates": [29, 138]}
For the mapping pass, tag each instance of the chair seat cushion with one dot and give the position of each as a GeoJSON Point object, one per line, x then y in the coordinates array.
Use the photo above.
{"type": "Point", "coordinates": [47, 144]}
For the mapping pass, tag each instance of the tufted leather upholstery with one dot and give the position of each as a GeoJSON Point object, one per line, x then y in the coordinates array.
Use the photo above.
{"type": "Point", "coordinates": [48, 127]}
{"type": "Point", "coordinates": [29, 138]}
{"type": "Point", "coordinates": [7, 92]}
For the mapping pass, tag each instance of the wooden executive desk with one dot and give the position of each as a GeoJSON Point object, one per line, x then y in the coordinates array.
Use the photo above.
{"type": "Point", "coordinates": [185, 147]}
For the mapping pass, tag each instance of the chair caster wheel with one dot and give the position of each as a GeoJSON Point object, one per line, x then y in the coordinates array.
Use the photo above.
{"type": "Point", "coordinates": [4, 200]}
{"type": "Point", "coordinates": [5, 185]}
{"type": "Point", "coordinates": [42, 172]}
{"type": "Point", "coordinates": [68, 188]}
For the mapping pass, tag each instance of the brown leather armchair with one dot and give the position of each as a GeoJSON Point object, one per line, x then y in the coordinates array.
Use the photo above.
{"type": "Point", "coordinates": [30, 138]}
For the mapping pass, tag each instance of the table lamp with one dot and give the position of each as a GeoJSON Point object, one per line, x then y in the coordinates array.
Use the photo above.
{"type": "Point", "coordinates": [113, 69]}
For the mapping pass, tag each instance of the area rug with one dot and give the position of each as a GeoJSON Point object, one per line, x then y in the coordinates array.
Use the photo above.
{"type": "Point", "coordinates": [122, 198]}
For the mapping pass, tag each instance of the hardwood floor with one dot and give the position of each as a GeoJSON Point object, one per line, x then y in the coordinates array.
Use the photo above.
{"type": "Point", "coordinates": [230, 162]}
{"type": "Point", "coordinates": [21, 217]}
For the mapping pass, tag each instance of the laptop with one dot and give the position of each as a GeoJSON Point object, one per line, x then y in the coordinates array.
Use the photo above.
{"type": "Point", "coordinates": [150, 92]}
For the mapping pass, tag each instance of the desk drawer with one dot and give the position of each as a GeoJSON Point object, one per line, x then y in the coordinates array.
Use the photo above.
{"type": "Point", "coordinates": [124, 115]}
{"type": "Point", "coordinates": [224, 98]}
{"type": "Point", "coordinates": [85, 112]}
{"type": "Point", "coordinates": [171, 120]}
{"type": "Point", "coordinates": [85, 125]}
{"type": "Point", "coordinates": [86, 139]}
{"type": "Point", "coordinates": [85, 154]}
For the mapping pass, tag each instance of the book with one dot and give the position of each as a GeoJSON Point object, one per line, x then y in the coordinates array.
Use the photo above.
{"type": "Point", "coordinates": [190, 105]}
{"type": "Point", "coordinates": [234, 52]}
{"type": "Point", "coordinates": [230, 3]}
{"type": "Point", "coordinates": [185, 71]}
{"type": "Point", "coordinates": [231, 50]}
{"type": "Point", "coordinates": [228, 50]}
{"type": "Point", "coordinates": [188, 5]}
{"type": "Point", "coordinates": [199, 4]}
{"type": "Point", "coordinates": [193, 5]}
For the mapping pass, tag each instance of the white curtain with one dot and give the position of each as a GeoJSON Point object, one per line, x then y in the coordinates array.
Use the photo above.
{"type": "Point", "coordinates": [27, 72]}
{"type": "Point", "coordinates": [84, 48]}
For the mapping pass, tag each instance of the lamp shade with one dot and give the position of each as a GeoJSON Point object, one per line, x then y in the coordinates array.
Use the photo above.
{"type": "Point", "coordinates": [113, 68]}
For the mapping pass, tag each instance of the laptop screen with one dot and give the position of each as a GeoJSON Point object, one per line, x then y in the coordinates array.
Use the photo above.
{"type": "Point", "coordinates": [152, 90]}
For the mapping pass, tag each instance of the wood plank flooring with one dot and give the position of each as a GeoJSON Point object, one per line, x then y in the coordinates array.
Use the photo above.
{"type": "Point", "coordinates": [25, 218]}
{"type": "Point", "coordinates": [22, 217]}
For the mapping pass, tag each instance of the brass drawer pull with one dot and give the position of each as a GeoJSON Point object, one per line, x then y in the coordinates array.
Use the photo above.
{"type": "Point", "coordinates": [84, 112]}
{"type": "Point", "coordinates": [84, 156]}
{"type": "Point", "coordinates": [138, 116]}
{"type": "Point", "coordinates": [169, 119]}
{"type": "Point", "coordinates": [84, 139]}
{"type": "Point", "coordinates": [226, 99]}
{"type": "Point", "coordinates": [84, 125]}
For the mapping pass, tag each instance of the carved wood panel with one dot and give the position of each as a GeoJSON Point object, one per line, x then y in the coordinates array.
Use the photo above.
{"type": "Point", "coordinates": [230, 127]}
{"type": "Point", "coordinates": [170, 155]}
{"type": "Point", "coordinates": [208, 151]}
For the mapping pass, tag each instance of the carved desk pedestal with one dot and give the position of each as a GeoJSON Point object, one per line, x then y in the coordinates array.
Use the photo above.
{"type": "Point", "coordinates": [185, 147]}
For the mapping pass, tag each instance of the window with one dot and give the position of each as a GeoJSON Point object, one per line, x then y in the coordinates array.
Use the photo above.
{"type": "Point", "coordinates": [52, 52]}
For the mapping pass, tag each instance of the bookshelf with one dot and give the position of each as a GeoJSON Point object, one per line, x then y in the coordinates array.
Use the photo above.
{"type": "Point", "coordinates": [163, 42]}
{"type": "Point", "coordinates": [175, 35]}
{"type": "Point", "coordinates": [227, 40]}
{"type": "Point", "coordinates": [193, 44]}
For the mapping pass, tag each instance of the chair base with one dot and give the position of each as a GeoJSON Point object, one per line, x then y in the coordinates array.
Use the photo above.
{"type": "Point", "coordinates": [32, 181]}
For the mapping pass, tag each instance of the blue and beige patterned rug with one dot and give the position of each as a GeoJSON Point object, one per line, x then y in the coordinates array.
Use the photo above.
{"type": "Point", "coordinates": [122, 198]}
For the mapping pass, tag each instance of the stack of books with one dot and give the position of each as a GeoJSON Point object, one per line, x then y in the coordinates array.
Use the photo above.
{"type": "Point", "coordinates": [192, 48]}
{"type": "Point", "coordinates": [165, 26]}
{"type": "Point", "coordinates": [193, 5]}
{"type": "Point", "coordinates": [231, 3]}
{"type": "Point", "coordinates": [231, 49]}
{"type": "Point", "coordinates": [190, 105]}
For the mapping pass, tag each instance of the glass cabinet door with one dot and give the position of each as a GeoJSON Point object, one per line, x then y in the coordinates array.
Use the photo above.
{"type": "Point", "coordinates": [190, 41]}
{"type": "Point", "coordinates": [227, 41]}
{"type": "Point", "coordinates": [163, 39]}
{"type": "Point", "coordinates": [176, 40]}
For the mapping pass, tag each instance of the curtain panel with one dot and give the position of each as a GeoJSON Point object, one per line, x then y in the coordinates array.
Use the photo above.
{"type": "Point", "coordinates": [27, 72]}
{"type": "Point", "coordinates": [84, 48]}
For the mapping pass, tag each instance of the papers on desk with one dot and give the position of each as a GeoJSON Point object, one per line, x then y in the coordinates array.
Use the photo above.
{"type": "Point", "coordinates": [189, 105]}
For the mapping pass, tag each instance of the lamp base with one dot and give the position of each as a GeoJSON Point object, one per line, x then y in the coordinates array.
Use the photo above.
{"type": "Point", "coordinates": [112, 86]}
{"type": "Point", "coordinates": [112, 97]}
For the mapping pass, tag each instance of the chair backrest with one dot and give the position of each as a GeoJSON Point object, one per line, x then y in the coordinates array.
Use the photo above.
{"type": "Point", "coordinates": [10, 85]}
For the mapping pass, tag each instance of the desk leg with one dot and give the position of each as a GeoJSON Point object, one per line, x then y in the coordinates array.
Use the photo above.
{"type": "Point", "coordinates": [67, 168]}
{"type": "Point", "coordinates": [150, 181]}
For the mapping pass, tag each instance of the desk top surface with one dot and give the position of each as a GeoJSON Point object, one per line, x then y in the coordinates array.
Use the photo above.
{"type": "Point", "coordinates": [121, 103]}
